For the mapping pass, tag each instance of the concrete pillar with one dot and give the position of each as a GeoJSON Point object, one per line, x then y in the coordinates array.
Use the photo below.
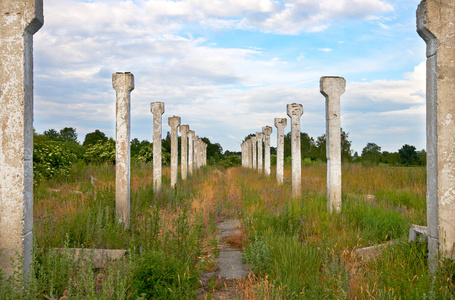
{"type": "Point", "coordinates": [267, 131]}
{"type": "Point", "coordinates": [157, 109]}
{"type": "Point", "coordinates": [250, 153]}
{"type": "Point", "coordinates": [260, 136]}
{"type": "Point", "coordinates": [123, 84]}
{"type": "Point", "coordinates": [174, 122]}
{"type": "Point", "coordinates": [332, 88]}
{"type": "Point", "coordinates": [204, 160]}
{"type": "Point", "coordinates": [242, 147]}
{"type": "Point", "coordinates": [254, 144]}
{"type": "Point", "coordinates": [280, 123]}
{"type": "Point", "coordinates": [184, 150]}
{"type": "Point", "coordinates": [190, 152]}
{"type": "Point", "coordinates": [435, 24]}
{"type": "Point", "coordinates": [18, 22]}
{"type": "Point", "coordinates": [295, 111]}
{"type": "Point", "coordinates": [196, 153]}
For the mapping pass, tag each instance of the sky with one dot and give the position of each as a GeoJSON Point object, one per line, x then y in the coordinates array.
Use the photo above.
{"type": "Point", "coordinates": [229, 67]}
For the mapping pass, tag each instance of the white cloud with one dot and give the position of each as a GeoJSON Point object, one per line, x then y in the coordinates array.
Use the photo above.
{"type": "Point", "coordinates": [325, 49]}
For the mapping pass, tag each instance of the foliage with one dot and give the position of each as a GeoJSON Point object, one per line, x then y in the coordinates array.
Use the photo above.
{"type": "Point", "coordinates": [51, 159]}
{"type": "Point", "coordinates": [371, 154]}
{"type": "Point", "coordinates": [258, 255]}
{"type": "Point", "coordinates": [101, 152]}
{"type": "Point", "coordinates": [94, 138]}
{"type": "Point", "coordinates": [408, 155]}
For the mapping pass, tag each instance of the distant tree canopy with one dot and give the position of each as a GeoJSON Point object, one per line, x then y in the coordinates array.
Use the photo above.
{"type": "Point", "coordinates": [93, 138]}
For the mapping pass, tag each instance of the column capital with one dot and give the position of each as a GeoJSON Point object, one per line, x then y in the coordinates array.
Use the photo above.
{"type": "Point", "coordinates": [281, 122]}
{"type": "Point", "coordinates": [254, 139]}
{"type": "Point", "coordinates": [267, 130]}
{"type": "Point", "coordinates": [30, 10]}
{"type": "Point", "coordinates": [123, 81]}
{"type": "Point", "coordinates": [332, 86]}
{"type": "Point", "coordinates": [259, 135]}
{"type": "Point", "coordinates": [173, 121]}
{"type": "Point", "coordinates": [184, 129]}
{"type": "Point", "coordinates": [157, 108]}
{"type": "Point", "coordinates": [191, 134]}
{"type": "Point", "coordinates": [294, 110]}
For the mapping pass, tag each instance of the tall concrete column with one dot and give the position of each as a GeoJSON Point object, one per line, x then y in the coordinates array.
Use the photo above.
{"type": "Point", "coordinates": [250, 153]}
{"type": "Point", "coordinates": [295, 111]}
{"type": "Point", "coordinates": [242, 147]}
{"type": "Point", "coordinates": [435, 24]}
{"type": "Point", "coordinates": [184, 151]}
{"type": "Point", "coordinates": [260, 136]}
{"type": "Point", "coordinates": [174, 123]}
{"type": "Point", "coordinates": [18, 22]}
{"type": "Point", "coordinates": [157, 109]}
{"type": "Point", "coordinates": [204, 160]}
{"type": "Point", "coordinates": [280, 123]}
{"type": "Point", "coordinates": [332, 88]}
{"type": "Point", "coordinates": [123, 84]}
{"type": "Point", "coordinates": [196, 153]}
{"type": "Point", "coordinates": [254, 148]}
{"type": "Point", "coordinates": [267, 131]}
{"type": "Point", "coordinates": [190, 151]}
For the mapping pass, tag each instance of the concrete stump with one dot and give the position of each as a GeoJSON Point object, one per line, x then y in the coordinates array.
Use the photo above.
{"type": "Point", "coordinates": [332, 88]}
{"type": "Point", "coordinates": [253, 141]}
{"type": "Point", "coordinates": [123, 84]}
{"type": "Point", "coordinates": [267, 131]}
{"type": "Point", "coordinates": [157, 109]}
{"type": "Point", "coordinates": [184, 150]}
{"type": "Point", "coordinates": [295, 111]}
{"type": "Point", "coordinates": [174, 123]}
{"type": "Point", "coordinates": [190, 151]}
{"type": "Point", "coordinates": [260, 136]}
{"type": "Point", "coordinates": [435, 24]}
{"type": "Point", "coordinates": [19, 21]}
{"type": "Point", "coordinates": [280, 123]}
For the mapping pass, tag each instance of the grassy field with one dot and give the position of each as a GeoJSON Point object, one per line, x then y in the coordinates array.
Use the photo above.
{"type": "Point", "coordinates": [295, 248]}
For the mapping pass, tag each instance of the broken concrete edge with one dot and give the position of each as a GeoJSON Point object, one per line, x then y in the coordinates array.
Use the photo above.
{"type": "Point", "coordinates": [98, 257]}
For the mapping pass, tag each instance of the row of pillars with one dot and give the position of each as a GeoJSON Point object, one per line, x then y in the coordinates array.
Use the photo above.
{"type": "Point", "coordinates": [193, 149]}
{"type": "Point", "coordinates": [20, 19]}
{"type": "Point", "coordinates": [332, 88]}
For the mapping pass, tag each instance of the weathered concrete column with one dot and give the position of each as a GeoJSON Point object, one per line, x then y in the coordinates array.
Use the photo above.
{"type": "Point", "coordinates": [332, 88]}
{"type": "Point", "coordinates": [250, 153]}
{"type": "Point", "coordinates": [196, 153]}
{"type": "Point", "coordinates": [435, 24]}
{"type": "Point", "coordinates": [190, 151]}
{"type": "Point", "coordinates": [242, 147]}
{"type": "Point", "coordinates": [123, 84]}
{"type": "Point", "coordinates": [18, 22]}
{"type": "Point", "coordinates": [267, 131]}
{"type": "Point", "coordinates": [260, 136]}
{"type": "Point", "coordinates": [174, 122]}
{"type": "Point", "coordinates": [295, 111]}
{"type": "Point", "coordinates": [184, 151]}
{"type": "Point", "coordinates": [204, 160]}
{"type": "Point", "coordinates": [280, 123]}
{"type": "Point", "coordinates": [254, 144]}
{"type": "Point", "coordinates": [157, 109]}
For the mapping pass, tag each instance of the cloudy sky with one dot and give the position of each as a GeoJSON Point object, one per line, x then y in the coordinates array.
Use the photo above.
{"type": "Point", "coordinates": [229, 67]}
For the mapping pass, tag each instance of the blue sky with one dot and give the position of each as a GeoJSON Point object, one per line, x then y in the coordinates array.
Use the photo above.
{"type": "Point", "coordinates": [228, 68]}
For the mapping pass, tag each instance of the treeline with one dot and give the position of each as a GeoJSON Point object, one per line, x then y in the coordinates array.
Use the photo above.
{"type": "Point", "coordinates": [314, 151]}
{"type": "Point", "coordinates": [56, 151]}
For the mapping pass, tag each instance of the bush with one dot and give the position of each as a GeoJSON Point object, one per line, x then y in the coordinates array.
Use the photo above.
{"type": "Point", "coordinates": [51, 159]}
{"type": "Point", "coordinates": [101, 152]}
{"type": "Point", "coordinates": [161, 276]}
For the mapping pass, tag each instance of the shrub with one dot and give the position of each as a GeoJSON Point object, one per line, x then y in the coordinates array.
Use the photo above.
{"type": "Point", "coordinates": [51, 159]}
{"type": "Point", "coordinates": [101, 152]}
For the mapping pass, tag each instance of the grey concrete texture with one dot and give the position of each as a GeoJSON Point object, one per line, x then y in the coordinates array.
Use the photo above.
{"type": "Point", "coordinates": [191, 136]}
{"type": "Point", "coordinates": [19, 21]}
{"type": "Point", "coordinates": [332, 88]}
{"type": "Point", "coordinates": [174, 123]}
{"type": "Point", "coordinates": [295, 111]}
{"type": "Point", "coordinates": [267, 131]}
{"type": "Point", "coordinates": [123, 84]}
{"type": "Point", "coordinates": [184, 151]}
{"type": "Point", "coordinates": [157, 109]}
{"type": "Point", "coordinates": [250, 153]}
{"type": "Point", "coordinates": [280, 124]}
{"type": "Point", "coordinates": [436, 26]}
{"type": "Point", "coordinates": [254, 149]}
{"type": "Point", "coordinates": [260, 137]}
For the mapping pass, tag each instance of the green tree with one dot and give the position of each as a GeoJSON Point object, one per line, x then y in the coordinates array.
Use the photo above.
{"type": "Point", "coordinates": [68, 134]}
{"type": "Point", "coordinates": [371, 154]}
{"type": "Point", "coordinates": [408, 155]}
{"type": "Point", "coordinates": [52, 134]}
{"type": "Point", "coordinates": [93, 138]}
